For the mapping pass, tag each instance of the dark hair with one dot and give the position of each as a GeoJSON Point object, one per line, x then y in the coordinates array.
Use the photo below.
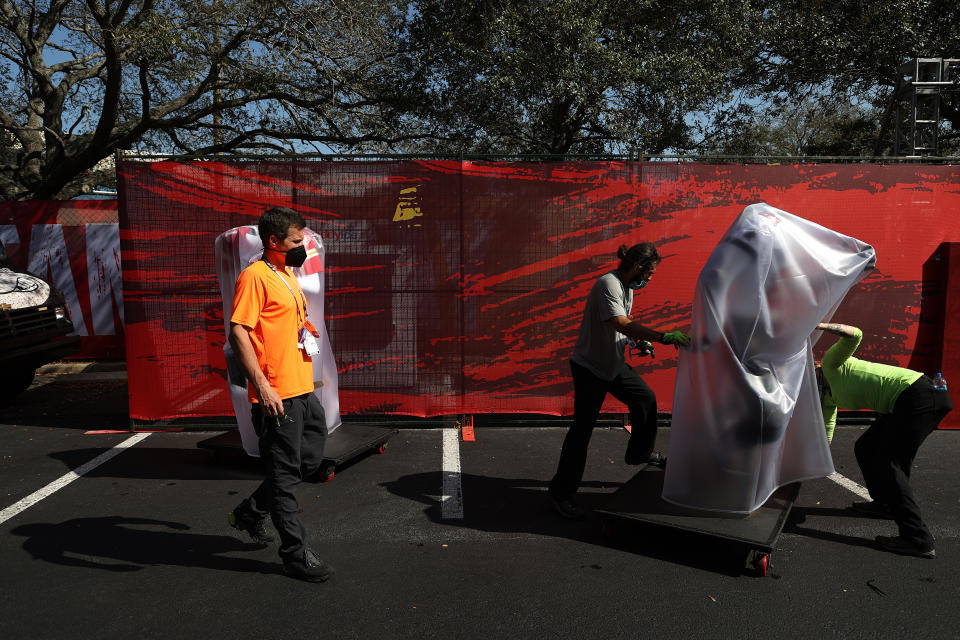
{"type": "Point", "coordinates": [644, 254]}
{"type": "Point", "coordinates": [277, 222]}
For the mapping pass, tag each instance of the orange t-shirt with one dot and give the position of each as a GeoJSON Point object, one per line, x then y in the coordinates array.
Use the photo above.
{"type": "Point", "coordinates": [275, 314]}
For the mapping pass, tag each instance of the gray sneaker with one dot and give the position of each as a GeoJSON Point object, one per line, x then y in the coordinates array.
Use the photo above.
{"type": "Point", "coordinates": [307, 566]}
{"type": "Point", "coordinates": [255, 527]}
{"type": "Point", "coordinates": [655, 458]}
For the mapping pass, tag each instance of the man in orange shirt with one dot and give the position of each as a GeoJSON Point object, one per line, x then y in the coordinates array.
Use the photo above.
{"type": "Point", "coordinates": [274, 343]}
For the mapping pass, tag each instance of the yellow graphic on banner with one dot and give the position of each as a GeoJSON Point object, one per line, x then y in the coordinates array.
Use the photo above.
{"type": "Point", "coordinates": [408, 207]}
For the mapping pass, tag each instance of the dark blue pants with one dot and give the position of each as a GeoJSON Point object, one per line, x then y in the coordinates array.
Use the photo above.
{"type": "Point", "coordinates": [589, 393]}
{"type": "Point", "coordinates": [887, 449]}
{"type": "Point", "coordinates": [291, 449]}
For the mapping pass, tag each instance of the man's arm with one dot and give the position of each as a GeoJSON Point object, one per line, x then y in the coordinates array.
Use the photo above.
{"type": "Point", "coordinates": [636, 331]}
{"type": "Point", "coordinates": [842, 330]}
{"type": "Point", "coordinates": [844, 348]}
{"type": "Point", "coordinates": [243, 348]}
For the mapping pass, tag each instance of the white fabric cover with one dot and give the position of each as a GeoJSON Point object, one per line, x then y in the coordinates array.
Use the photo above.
{"type": "Point", "coordinates": [235, 250]}
{"type": "Point", "coordinates": [746, 411]}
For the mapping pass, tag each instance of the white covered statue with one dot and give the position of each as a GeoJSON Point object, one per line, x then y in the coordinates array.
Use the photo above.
{"type": "Point", "coordinates": [235, 250]}
{"type": "Point", "coordinates": [746, 411]}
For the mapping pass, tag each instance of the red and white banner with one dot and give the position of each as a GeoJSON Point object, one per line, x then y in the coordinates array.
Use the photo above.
{"type": "Point", "coordinates": [458, 287]}
{"type": "Point", "coordinates": [76, 246]}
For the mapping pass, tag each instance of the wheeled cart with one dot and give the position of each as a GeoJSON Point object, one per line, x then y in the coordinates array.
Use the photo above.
{"type": "Point", "coordinates": [640, 501]}
{"type": "Point", "coordinates": [347, 443]}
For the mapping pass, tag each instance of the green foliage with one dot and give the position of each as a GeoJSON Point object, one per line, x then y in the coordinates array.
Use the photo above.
{"type": "Point", "coordinates": [851, 50]}
{"type": "Point", "coordinates": [79, 80]}
{"type": "Point", "coordinates": [183, 76]}
{"type": "Point", "coordinates": [574, 77]}
{"type": "Point", "coordinates": [810, 128]}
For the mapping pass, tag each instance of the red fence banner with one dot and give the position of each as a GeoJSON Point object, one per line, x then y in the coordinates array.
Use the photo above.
{"type": "Point", "coordinates": [458, 286]}
{"type": "Point", "coordinates": [75, 245]}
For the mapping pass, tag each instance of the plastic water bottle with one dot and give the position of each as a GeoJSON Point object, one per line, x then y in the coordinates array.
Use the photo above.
{"type": "Point", "coordinates": [939, 383]}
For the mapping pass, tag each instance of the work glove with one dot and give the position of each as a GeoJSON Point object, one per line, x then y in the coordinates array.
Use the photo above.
{"type": "Point", "coordinates": [676, 338]}
{"type": "Point", "coordinates": [641, 348]}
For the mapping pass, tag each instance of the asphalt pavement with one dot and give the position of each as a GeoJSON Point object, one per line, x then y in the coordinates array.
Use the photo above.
{"type": "Point", "coordinates": [138, 545]}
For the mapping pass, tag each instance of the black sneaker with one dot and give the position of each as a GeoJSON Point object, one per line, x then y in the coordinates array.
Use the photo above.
{"type": "Point", "coordinates": [567, 508]}
{"type": "Point", "coordinates": [872, 508]}
{"type": "Point", "coordinates": [896, 544]}
{"type": "Point", "coordinates": [655, 458]}
{"type": "Point", "coordinates": [255, 527]}
{"type": "Point", "coordinates": [308, 566]}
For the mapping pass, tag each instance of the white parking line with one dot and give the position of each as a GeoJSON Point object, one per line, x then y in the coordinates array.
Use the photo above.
{"type": "Point", "coordinates": [451, 501]}
{"type": "Point", "coordinates": [63, 481]}
{"type": "Point", "coordinates": [847, 483]}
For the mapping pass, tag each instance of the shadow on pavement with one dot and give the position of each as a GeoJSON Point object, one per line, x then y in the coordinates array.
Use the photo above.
{"type": "Point", "coordinates": [798, 516]}
{"type": "Point", "coordinates": [79, 405]}
{"type": "Point", "coordinates": [162, 464]}
{"type": "Point", "coordinates": [516, 505]}
{"type": "Point", "coordinates": [123, 544]}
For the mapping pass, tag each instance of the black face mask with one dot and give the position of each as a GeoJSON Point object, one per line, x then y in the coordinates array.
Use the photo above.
{"type": "Point", "coordinates": [296, 257]}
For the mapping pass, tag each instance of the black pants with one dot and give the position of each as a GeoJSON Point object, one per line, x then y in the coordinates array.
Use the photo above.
{"type": "Point", "coordinates": [291, 449]}
{"type": "Point", "coordinates": [886, 452]}
{"type": "Point", "coordinates": [589, 393]}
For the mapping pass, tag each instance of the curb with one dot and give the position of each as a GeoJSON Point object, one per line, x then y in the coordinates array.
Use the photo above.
{"type": "Point", "coordinates": [82, 366]}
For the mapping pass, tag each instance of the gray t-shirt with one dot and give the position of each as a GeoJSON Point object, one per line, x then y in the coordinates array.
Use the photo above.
{"type": "Point", "coordinates": [600, 347]}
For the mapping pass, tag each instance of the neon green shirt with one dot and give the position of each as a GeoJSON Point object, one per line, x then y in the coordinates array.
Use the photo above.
{"type": "Point", "coordinates": [857, 384]}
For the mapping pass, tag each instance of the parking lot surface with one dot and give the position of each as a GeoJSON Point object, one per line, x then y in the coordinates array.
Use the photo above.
{"type": "Point", "coordinates": [138, 545]}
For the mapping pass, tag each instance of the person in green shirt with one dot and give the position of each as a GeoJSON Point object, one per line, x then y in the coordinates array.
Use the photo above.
{"type": "Point", "coordinates": [910, 408]}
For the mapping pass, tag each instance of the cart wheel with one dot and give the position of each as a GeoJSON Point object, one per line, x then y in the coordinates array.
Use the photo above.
{"type": "Point", "coordinates": [382, 448]}
{"type": "Point", "coordinates": [327, 473]}
{"type": "Point", "coordinates": [761, 562]}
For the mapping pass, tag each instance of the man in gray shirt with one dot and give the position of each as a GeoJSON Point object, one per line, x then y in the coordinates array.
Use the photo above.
{"type": "Point", "coordinates": [600, 347]}
{"type": "Point", "coordinates": [599, 367]}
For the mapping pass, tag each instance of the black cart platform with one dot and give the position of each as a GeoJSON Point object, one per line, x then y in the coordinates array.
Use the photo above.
{"type": "Point", "coordinates": [640, 501]}
{"type": "Point", "coordinates": [348, 442]}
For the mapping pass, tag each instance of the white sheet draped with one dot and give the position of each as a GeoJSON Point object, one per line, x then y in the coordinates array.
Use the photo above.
{"type": "Point", "coordinates": [746, 412]}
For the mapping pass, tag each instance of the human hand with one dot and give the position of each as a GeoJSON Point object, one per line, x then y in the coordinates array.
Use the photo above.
{"type": "Point", "coordinates": [270, 401]}
{"type": "Point", "coordinates": [676, 338]}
